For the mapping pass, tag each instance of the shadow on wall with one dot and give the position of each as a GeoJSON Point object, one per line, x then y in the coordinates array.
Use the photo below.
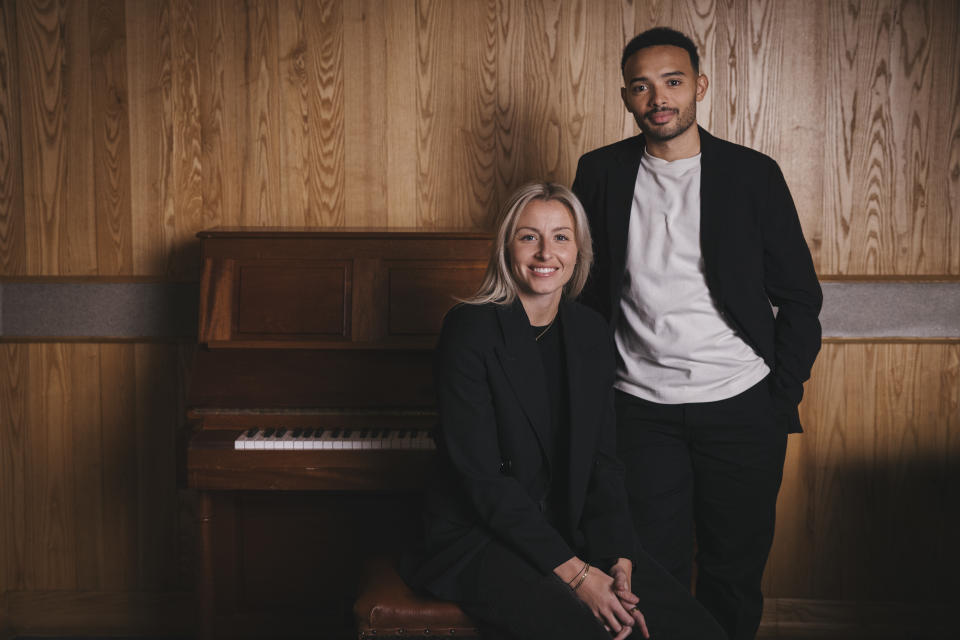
{"type": "Point", "coordinates": [883, 531]}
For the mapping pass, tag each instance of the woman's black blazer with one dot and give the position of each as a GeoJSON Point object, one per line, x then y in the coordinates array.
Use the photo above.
{"type": "Point", "coordinates": [494, 418]}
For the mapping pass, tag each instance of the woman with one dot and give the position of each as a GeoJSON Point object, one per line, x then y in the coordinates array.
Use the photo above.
{"type": "Point", "coordinates": [527, 526]}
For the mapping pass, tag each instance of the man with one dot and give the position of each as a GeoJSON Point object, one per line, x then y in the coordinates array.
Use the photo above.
{"type": "Point", "coordinates": [695, 238]}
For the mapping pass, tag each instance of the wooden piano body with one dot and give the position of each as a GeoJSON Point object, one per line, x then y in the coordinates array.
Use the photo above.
{"type": "Point", "coordinates": [303, 331]}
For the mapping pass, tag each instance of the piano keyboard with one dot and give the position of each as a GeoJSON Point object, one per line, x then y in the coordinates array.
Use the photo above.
{"type": "Point", "coordinates": [274, 439]}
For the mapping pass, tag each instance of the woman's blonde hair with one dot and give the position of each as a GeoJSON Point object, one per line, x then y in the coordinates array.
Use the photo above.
{"type": "Point", "coordinates": [498, 284]}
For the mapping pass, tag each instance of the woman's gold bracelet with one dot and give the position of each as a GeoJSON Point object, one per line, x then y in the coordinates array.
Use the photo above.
{"type": "Point", "coordinates": [579, 573]}
{"type": "Point", "coordinates": [583, 576]}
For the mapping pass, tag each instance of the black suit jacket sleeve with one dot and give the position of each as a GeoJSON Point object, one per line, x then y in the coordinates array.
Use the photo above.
{"type": "Point", "coordinates": [791, 285]}
{"type": "Point", "coordinates": [587, 187]}
{"type": "Point", "coordinates": [606, 524]}
{"type": "Point", "coordinates": [470, 436]}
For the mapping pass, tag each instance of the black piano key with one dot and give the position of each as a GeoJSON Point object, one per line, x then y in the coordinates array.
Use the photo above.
{"type": "Point", "coordinates": [335, 433]}
{"type": "Point", "coordinates": [281, 431]}
{"type": "Point", "coordinates": [347, 433]}
{"type": "Point", "coordinates": [363, 433]}
{"type": "Point", "coordinates": [319, 433]}
{"type": "Point", "coordinates": [308, 433]}
{"type": "Point", "coordinates": [268, 432]}
{"type": "Point", "coordinates": [296, 433]}
{"type": "Point", "coordinates": [252, 431]}
{"type": "Point", "coordinates": [402, 433]}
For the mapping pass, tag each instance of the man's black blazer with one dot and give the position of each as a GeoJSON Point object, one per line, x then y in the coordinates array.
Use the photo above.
{"type": "Point", "coordinates": [754, 254]}
{"type": "Point", "coordinates": [494, 418]}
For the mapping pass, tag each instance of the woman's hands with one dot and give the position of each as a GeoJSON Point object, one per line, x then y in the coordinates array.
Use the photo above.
{"type": "Point", "coordinates": [621, 573]}
{"type": "Point", "coordinates": [602, 593]}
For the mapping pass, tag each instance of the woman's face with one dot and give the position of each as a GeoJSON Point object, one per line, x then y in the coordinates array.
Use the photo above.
{"type": "Point", "coordinates": [543, 250]}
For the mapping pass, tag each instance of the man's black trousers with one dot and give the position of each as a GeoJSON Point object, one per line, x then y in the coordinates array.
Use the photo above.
{"type": "Point", "coordinates": [714, 469]}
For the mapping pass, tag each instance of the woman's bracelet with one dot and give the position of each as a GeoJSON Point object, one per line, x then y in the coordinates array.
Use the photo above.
{"type": "Point", "coordinates": [578, 574]}
{"type": "Point", "coordinates": [582, 575]}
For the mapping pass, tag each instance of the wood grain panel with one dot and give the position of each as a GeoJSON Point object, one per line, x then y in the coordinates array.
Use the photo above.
{"type": "Point", "coordinates": [379, 70]}
{"type": "Point", "coordinates": [456, 105]}
{"type": "Point", "coordinates": [158, 413]}
{"type": "Point", "coordinates": [14, 391]}
{"type": "Point", "coordinates": [540, 123]}
{"type": "Point", "coordinates": [510, 134]}
{"type": "Point", "coordinates": [261, 122]}
{"type": "Point", "coordinates": [296, 97]}
{"type": "Point", "coordinates": [869, 506]}
{"type": "Point", "coordinates": [84, 454]}
{"type": "Point", "coordinates": [800, 97]}
{"type": "Point", "coordinates": [119, 474]}
{"type": "Point", "coordinates": [187, 154]}
{"type": "Point", "coordinates": [54, 106]}
{"type": "Point", "coordinates": [584, 95]}
{"type": "Point", "coordinates": [620, 26]}
{"type": "Point", "coordinates": [401, 136]}
{"type": "Point", "coordinates": [77, 219]}
{"type": "Point", "coordinates": [923, 65]}
{"type": "Point", "coordinates": [111, 136]}
{"type": "Point", "coordinates": [62, 400]}
{"type": "Point", "coordinates": [222, 25]}
{"type": "Point", "coordinates": [150, 96]}
{"type": "Point", "coordinates": [311, 85]}
{"type": "Point", "coordinates": [12, 238]}
{"type": "Point", "coordinates": [878, 211]}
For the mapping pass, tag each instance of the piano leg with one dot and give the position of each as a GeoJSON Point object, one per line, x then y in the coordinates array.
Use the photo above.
{"type": "Point", "coordinates": [205, 578]}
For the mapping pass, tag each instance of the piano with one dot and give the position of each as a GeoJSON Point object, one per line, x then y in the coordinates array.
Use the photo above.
{"type": "Point", "coordinates": [311, 414]}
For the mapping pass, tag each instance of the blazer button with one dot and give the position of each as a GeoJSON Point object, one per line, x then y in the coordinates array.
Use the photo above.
{"type": "Point", "coordinates": [506, 467]}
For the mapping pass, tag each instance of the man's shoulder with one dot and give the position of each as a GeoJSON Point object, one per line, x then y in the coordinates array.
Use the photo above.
{"type": "Point", "coordinates": [733, 154]}
{"type": "Point", "coordinates": [615, 150]}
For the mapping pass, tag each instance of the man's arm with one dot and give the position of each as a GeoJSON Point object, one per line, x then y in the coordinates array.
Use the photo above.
{"type": "Point", "coordinates": [791, 284]}
{"type": "Point", "coordinates": [587, 187]}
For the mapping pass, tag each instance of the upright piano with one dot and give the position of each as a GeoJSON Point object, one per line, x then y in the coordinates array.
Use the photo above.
{"type": "Point", "coordinates": [310, 413]}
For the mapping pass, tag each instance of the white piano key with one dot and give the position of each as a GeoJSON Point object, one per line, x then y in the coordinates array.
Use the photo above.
{"type": "Point", "coordinates": [324, 439]}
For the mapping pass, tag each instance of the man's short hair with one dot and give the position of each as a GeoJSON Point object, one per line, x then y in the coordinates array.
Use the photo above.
{"type": "Point", "coordinates": [658, 36]}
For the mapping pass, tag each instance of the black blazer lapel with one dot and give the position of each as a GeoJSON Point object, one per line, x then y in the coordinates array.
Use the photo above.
{"type": "Point", "coordinates": [521, 361]}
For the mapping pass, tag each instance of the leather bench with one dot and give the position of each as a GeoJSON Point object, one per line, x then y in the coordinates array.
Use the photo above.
{"type": "Point", "coordinates": [388, 608]}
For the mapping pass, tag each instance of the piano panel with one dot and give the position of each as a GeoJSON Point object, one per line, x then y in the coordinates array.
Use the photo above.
{"type": "Point", "coordinates": [421, 293]}
{"type": "Point", "coordinates": [304, 379]}
{"type": "Point", "coordinates": [283, 301]}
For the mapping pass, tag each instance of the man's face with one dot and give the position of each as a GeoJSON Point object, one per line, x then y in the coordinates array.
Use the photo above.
{"type": "Point", "coordinates": [661, 90]}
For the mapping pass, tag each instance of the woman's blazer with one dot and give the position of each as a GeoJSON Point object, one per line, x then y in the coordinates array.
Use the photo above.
{"type": "Point", "coordinates": [494, 419]}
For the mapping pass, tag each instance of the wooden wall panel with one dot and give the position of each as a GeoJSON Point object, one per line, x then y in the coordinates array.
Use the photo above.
{"type": "Point", "coordinates": [222, 25]}
{"type": "Point", "coordinates": [150, 99]}
{"type": "Point", "coordinates": [88, 486]}
{"type": "Point", "coordinates": [111, 137]}
{"type": "Point", "coordinates": [186, 161]}
{"type": "Point", "coordinates": [55, 115]}
{"type": "Point", "coordinates": [312, 68]}
{"type": "Point", "coordinates": [869, 507]}
{"type": "Point", "coordinates": [12, 239]}
{"type": "Point", "coordinates": [455, 95]}
{"type": "Point", "coordinates": [379, 102]}
{"type": "Point", "coordinates": [338, 113]}
{"type": "Point", "coordinates": [13, 425]}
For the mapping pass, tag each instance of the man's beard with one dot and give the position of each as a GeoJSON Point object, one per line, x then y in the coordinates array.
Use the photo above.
{"type": "Point", "coordinates": [683, 121]}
